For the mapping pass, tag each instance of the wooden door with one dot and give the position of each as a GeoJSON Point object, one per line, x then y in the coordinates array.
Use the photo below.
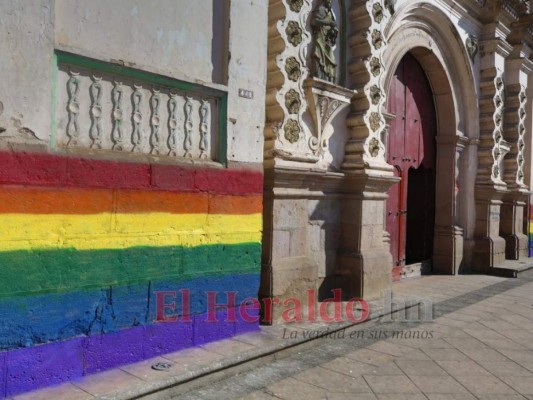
{"type": "Point", "coordinates": [411, 150]}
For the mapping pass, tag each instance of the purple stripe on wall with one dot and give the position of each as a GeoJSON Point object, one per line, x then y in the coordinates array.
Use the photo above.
{"type": "Point", "coordinates": [50, 364]}
{"type": "Point", "coordinates": [167, 338]}
{"type": "Point", "coordinates": [45, 365]}
{"type": "Point", "coordinates": [3, 373]}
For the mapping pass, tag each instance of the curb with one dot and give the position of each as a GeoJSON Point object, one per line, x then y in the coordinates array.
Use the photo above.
{"type": "Point", "coordinates": [218, 370]}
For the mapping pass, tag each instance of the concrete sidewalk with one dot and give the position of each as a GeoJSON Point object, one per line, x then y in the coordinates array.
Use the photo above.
{"type": "Point", "coordinates": [480, 345]}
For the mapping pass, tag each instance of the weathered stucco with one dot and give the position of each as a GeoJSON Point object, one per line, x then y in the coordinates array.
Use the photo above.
{"type": "Point", "coordinates": [27, 69]}
{"type": "Point", "coordinates": [118, 181]}
{"type": "Point", "coordinates": [165, 38]}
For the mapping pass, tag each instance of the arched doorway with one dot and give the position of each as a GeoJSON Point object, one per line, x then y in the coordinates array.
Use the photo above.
{"type": "Point", "coordinates": [411, 149]}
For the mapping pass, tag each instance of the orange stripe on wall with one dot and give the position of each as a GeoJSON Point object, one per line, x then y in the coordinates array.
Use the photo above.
{"type": "Point", "coordinates": [42, 200]}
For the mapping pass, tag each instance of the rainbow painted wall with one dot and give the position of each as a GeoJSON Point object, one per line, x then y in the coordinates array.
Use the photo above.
{"type": "Point", "coordinates": [530, 232]}
{"type": "Point", "coordinates": [85, 244]}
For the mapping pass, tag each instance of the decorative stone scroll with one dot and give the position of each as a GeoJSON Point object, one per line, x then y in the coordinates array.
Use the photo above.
{"type": "Point", "coordinates": [73, 107]}
{"type": "Point", "coordinates": [500, 148]}
{"type": "Point", "coordinates": [96, 113]}
{"type": "Point", "coordinates": [366, 121]}
{"type": "Point", "coordinates": [325, 100]}
{"type": "Point", "coordinates": [492, 147]}
{"type": "Point", "coordinates": [102, 111]}
{"type": "Point", "coordinates": [515, 131]}
{"type": "Point", "coordinates": [521, 144]}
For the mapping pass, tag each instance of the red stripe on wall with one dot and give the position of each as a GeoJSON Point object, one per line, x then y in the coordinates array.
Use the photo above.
{"type": "Point", "coordinates": [54, 170]}
{"type": "Point", "coordinates": [77, 201]}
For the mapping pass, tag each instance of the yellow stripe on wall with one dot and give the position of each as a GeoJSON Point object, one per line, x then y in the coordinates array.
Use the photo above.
{"type": "Point", "coordinates": [111, 231]}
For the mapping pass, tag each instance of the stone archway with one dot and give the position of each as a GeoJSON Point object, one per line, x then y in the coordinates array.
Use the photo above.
{"type": "Point", "coordinates": [425, 32]}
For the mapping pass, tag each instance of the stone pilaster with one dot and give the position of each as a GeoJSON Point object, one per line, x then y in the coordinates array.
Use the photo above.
{"type": "Point", "coordinates": [365, 73]}
{"type": "Point", "coordinates": [517, 69]}
{"type": "Point", "coordinates": [489, 248]}
{"type": "Point", "coordinates": [364, 256]}
{"type": "Point", "coordinates": [448, 239]}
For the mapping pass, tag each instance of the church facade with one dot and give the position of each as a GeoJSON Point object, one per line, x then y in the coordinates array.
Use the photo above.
{"type": "Point", "coordinates": [397, 142]}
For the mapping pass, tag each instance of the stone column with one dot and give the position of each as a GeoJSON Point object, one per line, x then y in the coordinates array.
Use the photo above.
{"type": "Point", "coordinates": [364, 256]}
{"type": "Point", "coordinates": [489, 249]}
{"type": "Point", "coordinates": [517, 68]}
{"type": "Point", "coordinates": [448, 243]}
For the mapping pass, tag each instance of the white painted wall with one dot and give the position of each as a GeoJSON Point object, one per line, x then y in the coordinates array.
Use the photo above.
{"type": "Point", "coordinates": [182, 39]}
{"type": "Point", "coordinates": [247, 70]}
{"type": "Point", "coordinates": [172, 37]}
{"type": "Point", "coordinates": [26, 68]}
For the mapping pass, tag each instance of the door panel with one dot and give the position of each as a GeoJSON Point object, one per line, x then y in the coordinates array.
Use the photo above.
{"type": "Point", "coordinates": [393, 222]}
{"type": "Point", "coordinates": [411, 150]}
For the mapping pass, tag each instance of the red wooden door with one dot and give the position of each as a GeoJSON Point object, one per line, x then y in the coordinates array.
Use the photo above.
{"type": "Point", "coordinates": [411, 150]}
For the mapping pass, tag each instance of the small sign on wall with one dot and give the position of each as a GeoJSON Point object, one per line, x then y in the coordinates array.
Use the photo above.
{"type": "Point", "coordinates": [247, 94]}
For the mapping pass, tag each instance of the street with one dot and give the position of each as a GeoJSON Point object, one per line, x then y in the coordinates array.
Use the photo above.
{"type": "Point", "coordinates": [478, 346]}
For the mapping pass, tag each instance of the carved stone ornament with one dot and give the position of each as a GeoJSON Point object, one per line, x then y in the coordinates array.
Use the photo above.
{"type": "Point", "coordinates": [95, 132]}
{"type": "Point", "coordinates": [325, 100]}
{"type": "Point", "coordinates": [520, 174]}
{"type": "Point", "coordinates": [187, 143]}
{"type": "Point", "coordinates": [292, 67]}
{"type": "Point", "coordinates": [389, 4]}
{"type": "Point", "coordinates": [499, 83]}
{"type": "Point", "coordinates": [292, 131]}
{"type": "Point", "coordinates": [292, 101]}
{"type": "Point", "coordinates": [500, 148]}
{"type": "Point", "coordinates": [295, 5]}
{"type": "Point", "coordinates": [117, 116]}
{"type": "Point", "coordinates": [294, 33]}
{"type": "Point", "coordinates": [377, 12]}
{"type": "Point", "coordinates": [375, 94]}
{"type": "Point", "coordinates": [173, 125]}
{"type": "Point", "coordinates": [137, 118]}
{"type": "Point", "coordinates": [155, 122]}
{"type": "Point", "coordinates": [373, 147]}
{"type": "Point", "coordinates": [375, 121]}
{"type": "Point", "coordinates": [472, 46]}
{"type": "Point", "coordinates": [204, 129]}
{"type": "Point", "coordinates": [377, 39]}
{"type": "Point", "coordinates": [325, 33]}
{"type": "Point", "coordinates": [375, 66]}
{"type": "Point", "coordinates": [73, 107]}
{"type": "Point", "coordinates": [129, 116]}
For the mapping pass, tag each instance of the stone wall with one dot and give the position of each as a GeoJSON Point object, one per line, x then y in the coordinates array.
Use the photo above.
{"type": "Point", "coordinates": [130, 165]}
{"type": "Point", "coordinates": [477, 57]}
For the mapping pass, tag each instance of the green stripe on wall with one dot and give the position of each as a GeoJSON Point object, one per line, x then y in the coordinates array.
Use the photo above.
{"type": "Point", "coordinates": [43, 271]}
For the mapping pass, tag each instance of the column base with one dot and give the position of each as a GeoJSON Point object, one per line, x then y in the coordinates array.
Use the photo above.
{"type": "Point", "coordinates": [512, 226]}
{"type": "Point", "coordinates": [516, 247]}
{"type": "Point", "coordinates": [364, 275]}
{"type": "Point", "coordinates": [489, 252]}
{"type": "Point", "coordinates": [290, 278]}
{"type": "Point", "coordinates": [448, 250]}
